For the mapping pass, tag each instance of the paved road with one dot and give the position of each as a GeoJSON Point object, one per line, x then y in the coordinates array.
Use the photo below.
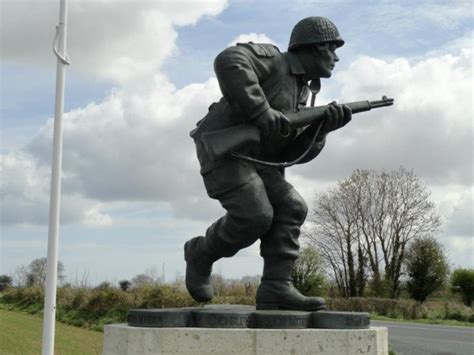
{"type": "Point", "coordinates": [427, 339]}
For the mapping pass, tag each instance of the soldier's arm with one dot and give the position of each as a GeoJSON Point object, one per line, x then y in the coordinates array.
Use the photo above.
{"type": "Point", "coordinates": [240, 70]}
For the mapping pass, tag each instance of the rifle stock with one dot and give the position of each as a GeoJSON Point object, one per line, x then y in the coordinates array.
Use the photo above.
{"type": "Point", "coordinates": [220, 142]}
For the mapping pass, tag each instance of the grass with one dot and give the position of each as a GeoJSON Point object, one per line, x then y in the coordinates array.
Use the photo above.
{"type": "Point", "coordinates": [22, 334]}
{"type": "Point", "coordinates": [449, 322]}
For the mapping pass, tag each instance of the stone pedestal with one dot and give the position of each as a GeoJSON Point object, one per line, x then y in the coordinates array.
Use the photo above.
{"type": "Point", "coordinates": [121, 339]}
{"type": "Point", "coordinates": [238, 329]}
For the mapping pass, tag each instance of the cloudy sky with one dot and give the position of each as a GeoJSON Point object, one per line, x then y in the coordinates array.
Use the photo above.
{"type": "Point", "coordinates": [141, 76]}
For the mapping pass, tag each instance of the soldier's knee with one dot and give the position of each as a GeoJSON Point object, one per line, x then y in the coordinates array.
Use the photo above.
{"type": "Point", "coordinates": [252, 224]}
{"type": "Point", "coordinates": [258, 222]}
{"type": "Point", "coordinates": [263, 221]}
{"type": "Point", "coordinates": [297, 207]}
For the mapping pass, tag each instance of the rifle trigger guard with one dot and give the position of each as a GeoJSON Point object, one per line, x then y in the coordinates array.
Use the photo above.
{"type": "Point", "coordinates": [286, 135]}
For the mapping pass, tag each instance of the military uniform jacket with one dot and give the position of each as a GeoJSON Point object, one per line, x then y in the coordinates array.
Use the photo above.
{"type": "Point", "coordinates": [254, 77]}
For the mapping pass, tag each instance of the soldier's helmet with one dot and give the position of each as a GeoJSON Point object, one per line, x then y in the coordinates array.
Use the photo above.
{"type": "Point", "coordinates": [313, 30]}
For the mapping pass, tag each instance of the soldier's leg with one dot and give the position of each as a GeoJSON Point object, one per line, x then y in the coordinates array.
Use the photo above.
{"type": "Point", "coordinates": [242, 193]}
{"type": "Point", "coordinates": [279, 247]}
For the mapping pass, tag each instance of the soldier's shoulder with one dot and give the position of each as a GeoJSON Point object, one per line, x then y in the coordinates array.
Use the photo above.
{"type": "Point", "coordinates": [261, 49]}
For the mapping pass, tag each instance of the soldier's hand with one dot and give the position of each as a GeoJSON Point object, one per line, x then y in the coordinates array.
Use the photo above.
{"type": "Point", "coordinates": [336, 116]}
{"type": "Point", "coordinates": [272, 122]}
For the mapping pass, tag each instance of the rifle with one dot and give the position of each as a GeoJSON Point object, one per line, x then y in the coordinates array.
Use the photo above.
{"type": "Point", "coordinates": [220, 142]}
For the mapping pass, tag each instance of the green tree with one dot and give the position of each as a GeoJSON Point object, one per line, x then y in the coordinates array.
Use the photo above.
{"type": "Point", "coordinates": [5, 281]}
{"type": "Point", "coordinates": [307, 272]}
{"type": "Point", "coordinates": [462, 281]}
{"type": "Point", "coordinates": [427, 267]}
{"type": "Point", "coordinates": [124, 285]}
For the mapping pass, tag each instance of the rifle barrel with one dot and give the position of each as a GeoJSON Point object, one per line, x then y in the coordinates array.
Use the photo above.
{"type": "Point", "coordinates": [381, 103]}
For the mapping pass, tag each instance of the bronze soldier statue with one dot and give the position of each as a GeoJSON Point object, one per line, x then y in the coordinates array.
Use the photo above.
{"type": "Point", "coordinates": [260, 87]}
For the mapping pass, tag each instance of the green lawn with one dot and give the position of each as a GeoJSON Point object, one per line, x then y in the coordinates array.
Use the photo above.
{"type": "Point", "coordinates": [22, 333]}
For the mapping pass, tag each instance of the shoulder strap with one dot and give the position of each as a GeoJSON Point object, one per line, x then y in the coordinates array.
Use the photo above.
{"type": "Point", "coordinates": [261, 49]}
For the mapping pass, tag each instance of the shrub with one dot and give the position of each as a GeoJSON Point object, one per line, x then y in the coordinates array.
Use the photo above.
{"type": "Point", "coordinates": [164, 296]}
{"type": "Point", "coordinates": [24, 296]}
{"type": "Point", "coordinates": [102, 301]}
{"type": "Point", "coordinates": [403, 309]}
{"type": "Point", "coordinates": [103, 285]}
{"type": "Point", "coordinates": [94, 308]}
{"type": "Point", "coordinates": [458, 312]}
{"type": "Point", "coordinates": [462, 281]}
{"type": "Point", "coordinates": [427, 267]}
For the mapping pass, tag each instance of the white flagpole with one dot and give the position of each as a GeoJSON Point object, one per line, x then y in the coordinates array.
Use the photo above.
{"type": "Point", "coordinates": [49, 313]}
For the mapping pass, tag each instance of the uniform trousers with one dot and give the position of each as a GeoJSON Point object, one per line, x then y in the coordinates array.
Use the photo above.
{"type": "Point", "coordinates": [259, 204]}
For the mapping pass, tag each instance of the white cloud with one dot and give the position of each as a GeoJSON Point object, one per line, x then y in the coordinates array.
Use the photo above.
{"type": "Point", "coordinates": [252, 37]}
{"type": "Point", "coordinates": [429, 128]}
{"type": "Point", "coordinates": [129, 147]}
{"type": "Point", "coordinates": [93, 216]}
{"type": "Point", "coordinates": [104, 40]}
{"type": "Point", "coordinates": [398, 21]}
{"type": "Point", "coordinates": [133, 149]}
{"type": "Point", "coordinates": [460, 251]}
{"type": "Point", "coordinates": [458, 212]}
{"type": "Point", "coordinates": [25, 188]}
{"type": "Point", "coordinates": [134, 145]}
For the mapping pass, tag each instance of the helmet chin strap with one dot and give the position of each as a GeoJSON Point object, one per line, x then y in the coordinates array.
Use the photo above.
{"type": "Point", "coordinates": [315, 88]}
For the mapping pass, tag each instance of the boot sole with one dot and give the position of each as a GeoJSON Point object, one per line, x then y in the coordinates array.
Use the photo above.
{"type": "Point", "coordinates": [281, 307]}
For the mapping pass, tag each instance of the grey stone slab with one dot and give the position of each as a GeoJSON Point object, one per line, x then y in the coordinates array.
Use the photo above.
{"type": "Point", "coordinates": [280, 320]}
{"type": "Point", "coordinates": [339, 320]}
{"type": "Point", "coordinates": [167, 317]}
{"type": "Point", "coordinates": [242, 316]}
{"type": "Point", "coordinates": [221, 318]}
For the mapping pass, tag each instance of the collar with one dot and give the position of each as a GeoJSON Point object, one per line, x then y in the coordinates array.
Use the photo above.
{"type": "Point", "coordinates": [295, 65]}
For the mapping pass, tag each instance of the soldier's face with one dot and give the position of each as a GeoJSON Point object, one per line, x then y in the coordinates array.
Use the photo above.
{"type": "Point", "coordinates": [325, 59]}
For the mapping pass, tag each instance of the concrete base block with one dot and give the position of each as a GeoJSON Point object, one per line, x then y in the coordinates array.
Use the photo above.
{"type": "Point", "coordinates": [121, 339]}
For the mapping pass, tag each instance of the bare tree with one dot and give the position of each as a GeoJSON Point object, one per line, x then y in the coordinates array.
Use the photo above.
{"type": "Point", "coordinates": [82, 281]}
{"type": "Point", "coordinates": [155, 274]}
{"type": "Point", "coordinates": [334, 233]}
{"type": "Point", "coordinates": [20, 276]}
{"type": "Point", "coordinates": [366, 221]}
{"type": "Point", "coordinates": [142, 280]}
{"type": "Point", "coordinates": [37, 272]}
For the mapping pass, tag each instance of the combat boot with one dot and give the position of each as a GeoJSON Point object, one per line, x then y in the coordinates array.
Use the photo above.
{"type": "Point", "coordinates": [276, 290]}
{"type": "Point", "coordinates": [199, 260]}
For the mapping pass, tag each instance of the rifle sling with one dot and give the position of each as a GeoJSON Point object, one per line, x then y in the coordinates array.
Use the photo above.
{"type": "Point", "coordinates": [280, 164]}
